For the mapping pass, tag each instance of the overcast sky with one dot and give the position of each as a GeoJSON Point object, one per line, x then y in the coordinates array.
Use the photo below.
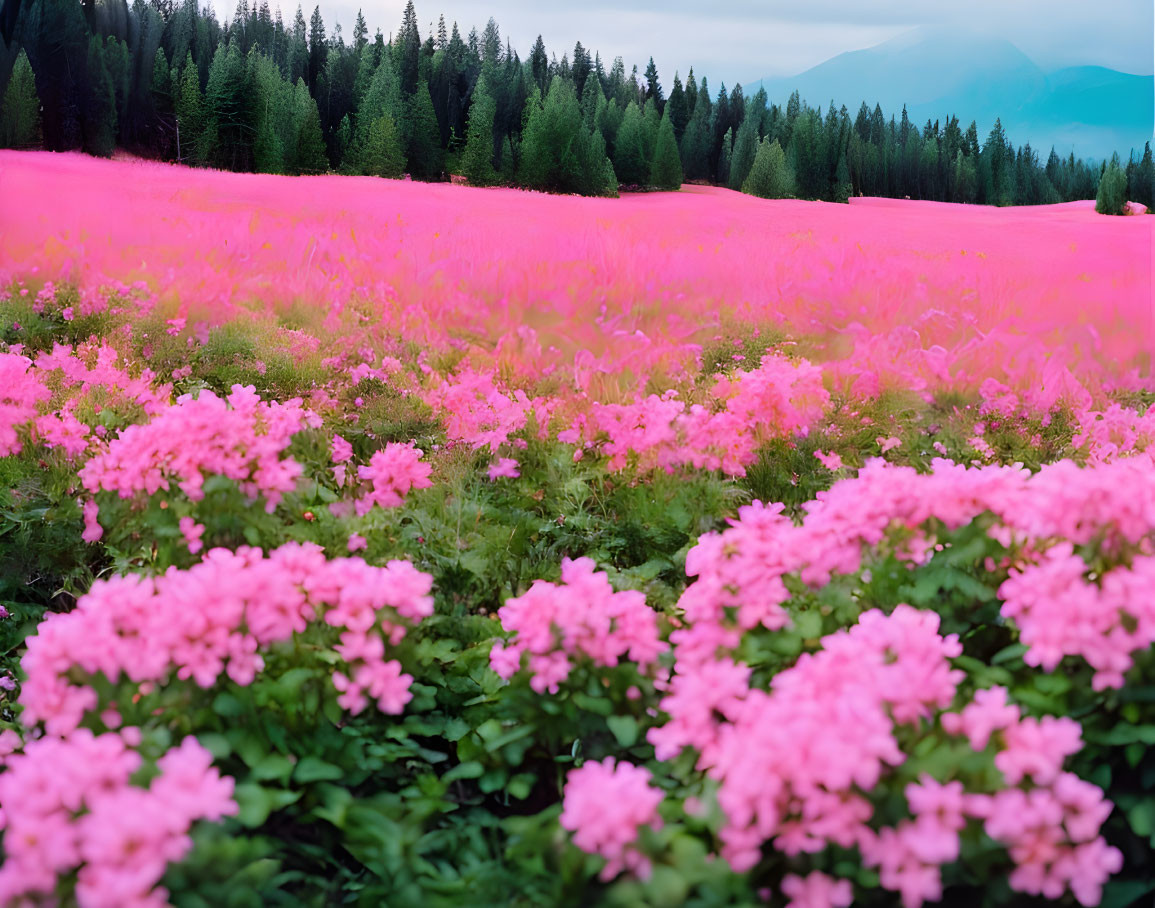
{"type": "Point", "coordinates": [742, 40]}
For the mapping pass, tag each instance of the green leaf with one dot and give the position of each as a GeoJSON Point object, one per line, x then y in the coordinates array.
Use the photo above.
{"type": "Point", "coordinates": [470, 769]}
{"type": "Point", "coordinates": [314, 769]}
{"type": "Point", "coordinates": [273, 766]}
{"type": "Point", "coordinates": [624, 728]}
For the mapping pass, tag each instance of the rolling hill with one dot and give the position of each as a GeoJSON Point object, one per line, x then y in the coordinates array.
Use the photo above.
{"type": "Point", "coordinates": [1090, 110]}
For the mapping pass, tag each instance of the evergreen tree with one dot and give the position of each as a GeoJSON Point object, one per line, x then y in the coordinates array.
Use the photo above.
{"type": "Point", "coordinates": [558, 153]}
{"type": "Point", "coordinates": [423, 153]}
{"type": "Point", "coordinates": [189, 112]}
{"type": "Point", "coordinates": [410, 46]}
{"type": "Point", "coordinates": [477, 159]}
{"type": "Point", "coordinates": [724, 157]}
{"type": "Point", "coordinates": [310, 146]}
{"type": "Point", "coordinates": [382, 155]}
{"type": "Point", "coordinates": [653, 86]}
{"type": "Point", "coordinates": [695, 144]}
{"type": "Point", "coordinates": [666, 170]}
{"type": "Point", "coordinates": [630, 163]}
{"type": "Point", "coordinates": [98, 115]}
{"type": "Point", "coordinates": [769, 176]}
{"type": "Point", "coordinates": [1112, 195]}
{"type": "Point", "coordinates": [20, 108]}
{"type": "Point", "coordinates": [1142, 185]}
{"type": "Point", "coordinates": [361, 33]}
{"type": "Point", "coordinates": [592, 101]}
{"type": "Point", "coordinates": [745, 148]}
{"type": "Point", "coordinates": [318, 49]}
{"type": "Point", "coordinates": [966, 179]}
{"type": "Point", "coordinates": [298, 62]}
{"type": "Point", "coordinates": [539, 64]}
{"type": "Point", "coordinates": [677, 109]}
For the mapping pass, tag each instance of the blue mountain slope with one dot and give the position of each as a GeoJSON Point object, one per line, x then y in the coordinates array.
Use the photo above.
{"type": "Point", "coordinates": [1090, 110]}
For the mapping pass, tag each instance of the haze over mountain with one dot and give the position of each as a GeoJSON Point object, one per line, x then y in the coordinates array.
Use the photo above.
{"type": "Point", "coordinates": [938, 71]}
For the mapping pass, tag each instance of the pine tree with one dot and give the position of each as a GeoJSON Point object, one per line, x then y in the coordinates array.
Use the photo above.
{"type": "Point", "coordinates": [539, 64]}
{"type": "Point", "coordinates": [724, 157]}
{"type": "Point", "coordinates": [361, 33]}
{"type": "Point", "coordinates": [98, 114]}
{"type": "Point", "coordinates": [966, 179]}
{"type": "Point", "coordinates": [653, 86]}
{"type": "Point", "coordinates": [20, 108]}
{"type": "Point", "coordinates": [309, 154]}
{"type": "Point", "coordinates": [410, 46]}
{"type": "Point", "coordinates": [423, 153]}
{"type": "Point", "coordinates": [745, 149]}
{"type": "Point", "coordinates": [677, 109]}
{"type": "Point", "coordinates": [696, 144]}
{"type": "Point", "coordinates": [189, 112]}
{"type": "Point", "coordinates": [1112, 195]}
{"type": "Point", "coordinates": [477, 159]}
{"type": "Point", "coordinates": [382, 155]}
{"type": "Point", "coordinates": [666, 171]}
{"type": "Point", "coordinates": [557, 152]}
{"type": "Point", "coordinates": [1142, 188]}
{"type": "Point", "coordinates": [318, 49]}
{"type": "Point", "coordinates": [770, 176]}
{"type": "Point", "coordinates": [630, 162]}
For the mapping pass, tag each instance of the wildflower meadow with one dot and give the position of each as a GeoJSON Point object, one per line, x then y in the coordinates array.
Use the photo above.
{"type": "Point", "coordinates": [370, 542]}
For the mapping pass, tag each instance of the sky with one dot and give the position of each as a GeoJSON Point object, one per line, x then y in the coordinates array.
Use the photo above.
{"type": "Point", "coordinates": [743, 40]}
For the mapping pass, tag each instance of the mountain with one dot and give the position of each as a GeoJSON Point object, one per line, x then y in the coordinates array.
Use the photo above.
{"type": "Point", "coordinates": [1090, 110]}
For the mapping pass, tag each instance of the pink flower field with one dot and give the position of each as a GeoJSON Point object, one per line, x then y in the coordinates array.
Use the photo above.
{"type": "Point", "coordinates": [368, 540]}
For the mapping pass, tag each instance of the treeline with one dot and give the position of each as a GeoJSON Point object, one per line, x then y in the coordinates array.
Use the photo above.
{"type": "Point", "coordinates": [170, 81]}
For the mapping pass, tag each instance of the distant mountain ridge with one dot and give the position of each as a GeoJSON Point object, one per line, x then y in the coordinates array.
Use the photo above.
{"type": "Point", "coordinates": [936, 72]}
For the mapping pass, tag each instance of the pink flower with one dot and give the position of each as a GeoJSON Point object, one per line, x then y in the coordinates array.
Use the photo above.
{"type": "Point", "coordinates": [832, 461]}
{"type": "Point", "coordinates": [580, 618]}
{"type": "Point", "coordinates": [506, 468]}
{"type": "Point", "coordinates": [887, 444]}
{"type": "Point", "coordinates": [357, 543]}
{"type": "Point", "coordinates": [92, 528]}
{"type": "Point", "coordinates": [816, 890]}
{"type": "Point", "coordinates": [192, 532]}
{"type": "Point", "coordinates": [604, 805]}
{"type": "Point", "coordinates": [393, 472]}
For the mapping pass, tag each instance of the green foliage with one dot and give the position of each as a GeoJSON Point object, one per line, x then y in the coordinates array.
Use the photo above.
{"type": "Point", "coordinates": [20, 108]}
{"type": "Point", "coordinates": [630, 163]}
{"type": "Point", "coordinates": [477, 158]}
{"type": "Point", "coordinates": [99, 120]}
{"type": "Point", "coordinates": [189, 111]}
{"type": "Point", "coordinates": [309, 156]}
{"type": "Point", "coordinates": [1112, 195]}
{"type": "Point", "coordinates": [382, 155]}
{"type": "Point", "coordinates": [425, 157]}
{"type": "Point", "coordinates": [558, 153]}
{"type": "Point", "coordinates": [666, 171]}
{"type": "Point", "coordinates": [770, 176]}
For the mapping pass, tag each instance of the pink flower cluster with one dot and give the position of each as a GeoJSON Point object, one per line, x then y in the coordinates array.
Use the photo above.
{"type": "Point", "coordinates": [478, 412]}
{"type": "Point", "coordinates": [1051, 829]}
{"type": "Point", "coordinates": [791, 763]}
{"type": "Point", "coordinates": [20, 394]}
{"type": "Point", "coordinates": [216, 618]}
{"type": "Point", "coordinates": [778, 399]}
{"type": "Point", "coordinates": [604, 805]}
{"type": "Point", "coordinates": [392, 473]}
{"type": "Point", "coordinates": [69, 808]}
{"type": "Point", "coordinates": [1059, 612]}
{"type": "Point", "coordinates": [741, 572]}
{"type": "Point", "coordinates": [240, 437]}
{"type": "Point", "coordinates": [1115, 431]}
{"type": "Point", "coordinates": [580, 618]}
